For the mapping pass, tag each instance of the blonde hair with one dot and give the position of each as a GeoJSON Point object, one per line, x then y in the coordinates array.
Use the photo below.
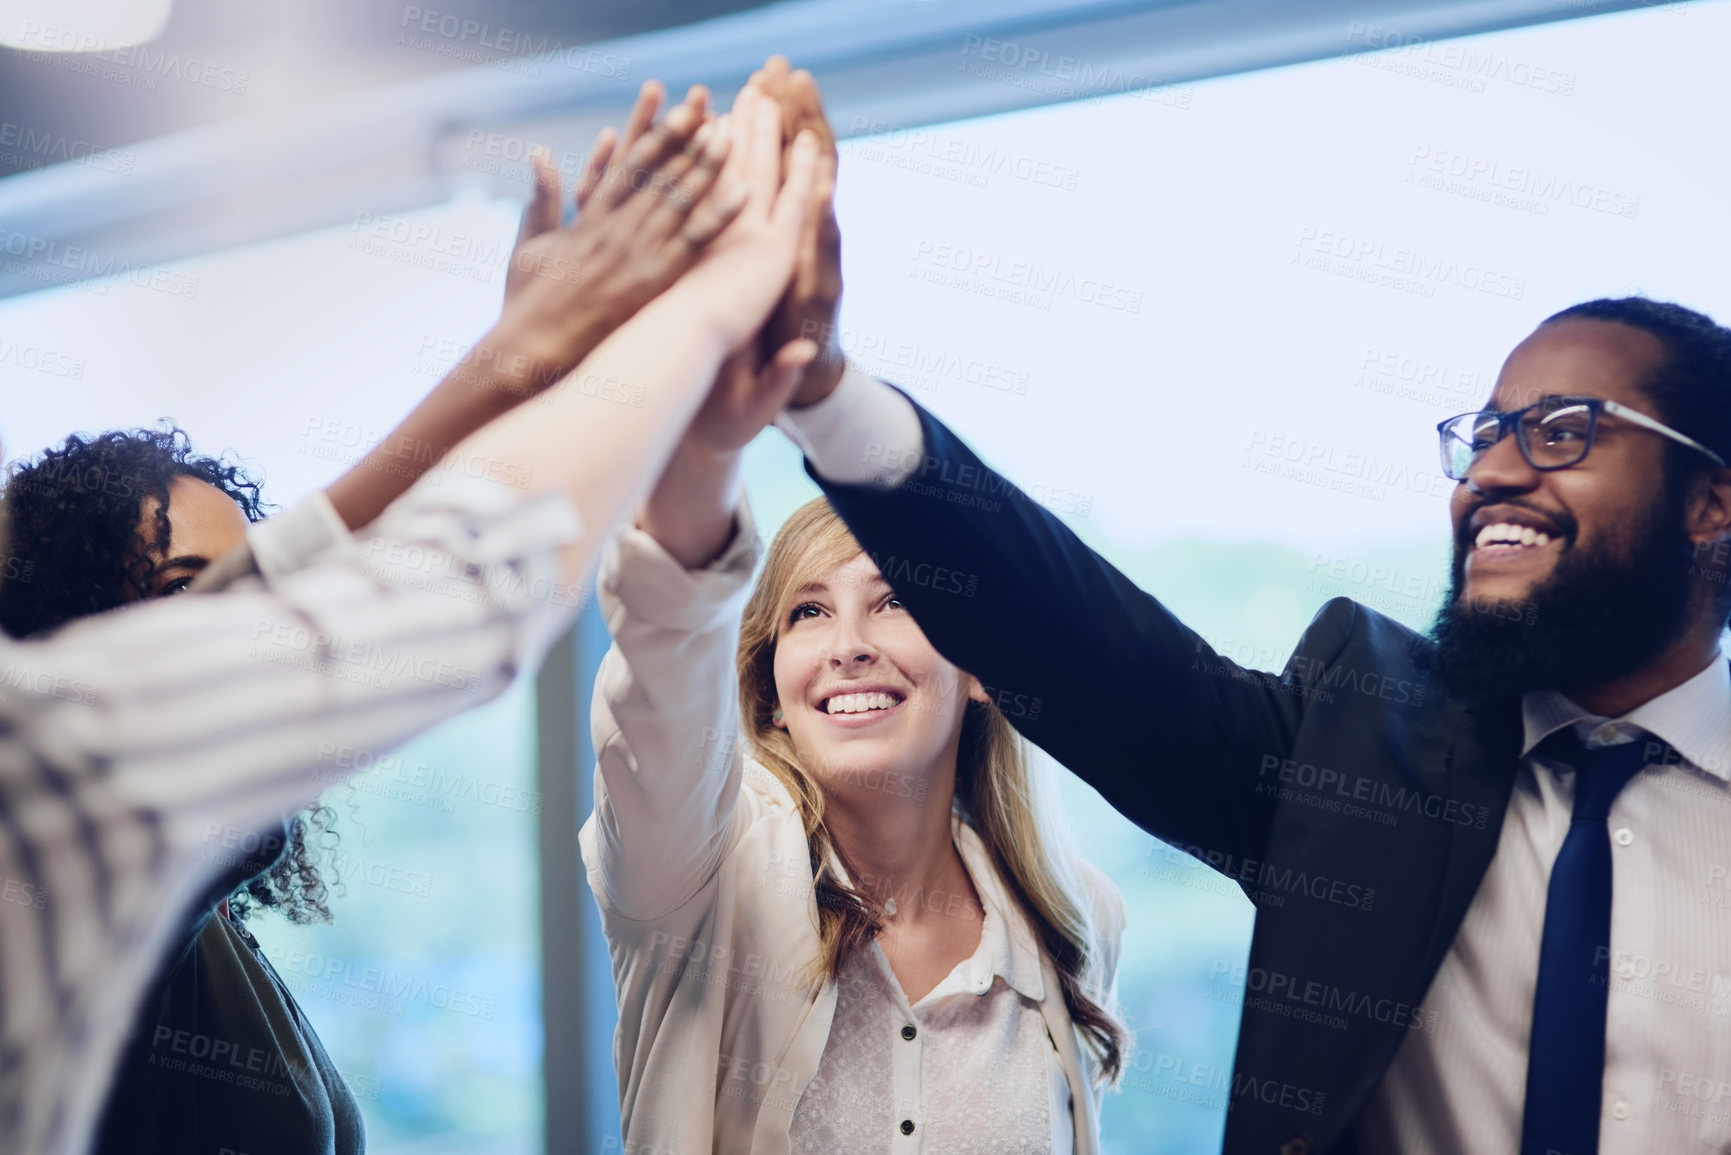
{"type": "Point", "coordinates": [998, 792]}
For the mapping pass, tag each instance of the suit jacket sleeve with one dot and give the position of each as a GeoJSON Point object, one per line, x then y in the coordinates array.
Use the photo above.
{"type": "Point", "coordinates": [1082, 662]}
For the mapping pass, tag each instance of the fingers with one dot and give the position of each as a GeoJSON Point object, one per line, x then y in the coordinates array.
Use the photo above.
{"type": "Point", "coordinates": [686, 197]}
{"type": "Point", "coordinates": [542, 212]}
{"type": "Point", "coordinates": [807, 104]}
{"type": "Point", "coordinates": [712, 215]}
{"type": "Point", "coordinates": [707, 166]}
{"type": "Point", "coordinates": [775, 72]}
{"type": "Point", "coordinates": [793, 202]}
{"type": "Point", "coordinates": [774, 84]}
{"type": "Point", "coordinates": [777, 381]}
{"type": "Point", "coordinates": [642, 112]}
{"type": "Point", "coordinates": [605, 142]}
{"type": "Point", "coordinates": [654, 149]}
{"type": "Point", "coordinates": [763, 163]}
{"type": "Point", "coordinates": [733, 176]}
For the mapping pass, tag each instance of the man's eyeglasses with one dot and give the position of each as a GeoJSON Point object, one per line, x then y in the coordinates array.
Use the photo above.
{"type": "Point", "coordinates": [1554, 434]}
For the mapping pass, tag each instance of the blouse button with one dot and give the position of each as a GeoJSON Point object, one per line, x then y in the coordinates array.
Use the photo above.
{"type": "Point", "coordinates": [908, 1033]}
{"type": "Point", "coordinates": [907, 1126]}
{"type": "Point", "coordinates": [1624, 836]}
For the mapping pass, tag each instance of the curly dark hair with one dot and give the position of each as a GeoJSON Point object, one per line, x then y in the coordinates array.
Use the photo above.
{"type": "Point", "coordinates": [73, 516]}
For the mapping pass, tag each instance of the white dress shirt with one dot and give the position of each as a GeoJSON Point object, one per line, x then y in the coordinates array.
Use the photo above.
{"type": "Point", "coordinates": [1667, 1088]}
{"type": "Point", "coordinates": [1667, 1085]}
{"type": "Point", "coordinates": [967, 1070]}
{"type": "Point", "coordinates": [136, 746]}
{"type": "Point", "coordinates": [864, 432]}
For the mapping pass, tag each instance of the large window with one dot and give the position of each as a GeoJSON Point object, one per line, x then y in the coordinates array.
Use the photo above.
{"type": "Point", "coordinates": [1213, 326]}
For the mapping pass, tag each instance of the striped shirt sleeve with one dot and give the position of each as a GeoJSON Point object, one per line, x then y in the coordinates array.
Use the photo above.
{"type": "Point", "coordinates": [136, 745]}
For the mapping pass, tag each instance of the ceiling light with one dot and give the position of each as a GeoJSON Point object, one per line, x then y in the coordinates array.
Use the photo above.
{"type": "Point", "coordinates": [80, 25]}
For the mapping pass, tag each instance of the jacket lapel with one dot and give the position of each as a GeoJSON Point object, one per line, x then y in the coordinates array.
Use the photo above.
{"type": "Point", "coordinates": [1480, 763]}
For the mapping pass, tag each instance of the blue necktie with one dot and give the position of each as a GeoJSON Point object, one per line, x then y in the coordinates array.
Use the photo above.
{"type": "Point", "coordinates": [1566, 1057]}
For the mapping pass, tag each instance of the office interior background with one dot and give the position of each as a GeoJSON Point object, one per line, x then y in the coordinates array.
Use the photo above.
{"type": "Point", "coordinates": [1202, 277]}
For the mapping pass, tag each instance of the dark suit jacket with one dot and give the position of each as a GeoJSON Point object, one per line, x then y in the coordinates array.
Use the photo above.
{"type": "Point", "coordinates": [1354, 801]}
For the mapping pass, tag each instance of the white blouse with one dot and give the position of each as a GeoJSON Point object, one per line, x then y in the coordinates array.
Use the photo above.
{"type": "Point", "coordinates": [968, 1069]}
{"type": "Point", "coordinates": [699, 862]}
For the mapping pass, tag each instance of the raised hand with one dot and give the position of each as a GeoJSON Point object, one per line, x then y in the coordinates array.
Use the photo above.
{"type": "Point", "coordinates": [647, 216]}
{"type": "Point", "coordinates": [813, 299]}
{"type": "Point", "coordinates": [640, 228]}
{"type": "Point", "coordinates": [739, 281]}
{"type": "Point", "coordinates": [744, 273]}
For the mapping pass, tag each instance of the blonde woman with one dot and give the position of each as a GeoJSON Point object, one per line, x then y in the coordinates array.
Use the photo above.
{"type": "Point", "coordinates": [839, 919]}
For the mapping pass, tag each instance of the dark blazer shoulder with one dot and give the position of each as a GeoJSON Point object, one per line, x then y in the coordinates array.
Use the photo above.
{"type": "Point", "coordinates": [1344, 627]}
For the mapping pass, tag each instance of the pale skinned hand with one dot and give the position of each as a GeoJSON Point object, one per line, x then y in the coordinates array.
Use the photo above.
{"type": "Point", "coordinates": [745, 271]}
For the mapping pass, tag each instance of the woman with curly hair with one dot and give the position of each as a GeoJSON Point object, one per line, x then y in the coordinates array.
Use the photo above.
{"type": "Point", "coordinates": [97, 523]}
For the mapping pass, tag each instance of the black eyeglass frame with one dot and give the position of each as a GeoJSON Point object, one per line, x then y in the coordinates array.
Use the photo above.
{"type": "Point", "coordinates": [1507, 422]}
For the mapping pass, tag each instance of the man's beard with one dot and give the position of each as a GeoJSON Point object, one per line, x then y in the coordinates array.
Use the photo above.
{"type": "Point", "coordinates": [1595, 619]}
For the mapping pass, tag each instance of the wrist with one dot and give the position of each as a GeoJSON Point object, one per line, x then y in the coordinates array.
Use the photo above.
{"type": "Point", "coordinates": [821, 378]}
{"type": "Point", "coordinates": [702, 318]}
{"type": "Point", "coordinates": [691, 509]}
{"type": "Point", "coordinates": [531, 353]}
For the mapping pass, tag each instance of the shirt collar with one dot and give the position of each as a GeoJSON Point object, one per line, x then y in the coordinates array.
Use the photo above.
{"type": "Point", "coordinates": [1693, 718]}
{"type": "Point", "coordinates": [1007, 945]}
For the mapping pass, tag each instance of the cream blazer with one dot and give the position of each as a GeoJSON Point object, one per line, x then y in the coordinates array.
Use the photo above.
{"type": "Point", "coordinates": [698, 860]}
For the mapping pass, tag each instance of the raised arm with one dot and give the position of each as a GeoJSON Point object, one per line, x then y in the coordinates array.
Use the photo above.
{"type": "Point", "coordinates": [664, 360]}
{"type": "Point", "coordinates": [666, 714]}
{"type": "Point", "coordinates": [566, 289]}
{"type": "Point", "coordinates": [1084, 663]}
{"type": "Point", "coordinates": [130, 741]}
